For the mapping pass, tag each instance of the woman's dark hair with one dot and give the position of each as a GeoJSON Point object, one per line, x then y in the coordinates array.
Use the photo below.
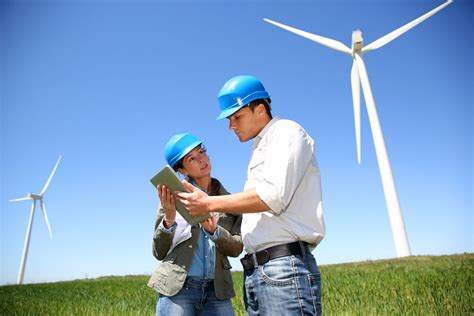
{"type": "Point", "coordinates": [214, 187]}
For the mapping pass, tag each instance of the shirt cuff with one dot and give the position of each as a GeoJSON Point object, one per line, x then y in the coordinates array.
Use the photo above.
{"type": "Point", "coordinates": [167, 230]}
{"type": "Point", "coordinates": [216, 234]}
{"type": "Point", "coordinates": [269, 195]}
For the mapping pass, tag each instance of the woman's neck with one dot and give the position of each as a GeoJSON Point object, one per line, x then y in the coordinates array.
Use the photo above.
{"type": "Point", "coordinates": [204, 182]}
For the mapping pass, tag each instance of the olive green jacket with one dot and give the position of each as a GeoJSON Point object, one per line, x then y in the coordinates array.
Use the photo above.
{"type": "Point", "coordinates": [169, 277]}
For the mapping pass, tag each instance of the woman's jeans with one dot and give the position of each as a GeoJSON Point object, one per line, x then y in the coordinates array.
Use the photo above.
{"type": "Point", "coordinates": [288, 285]}
{"type": "Point", "coordinates": [197, 297]}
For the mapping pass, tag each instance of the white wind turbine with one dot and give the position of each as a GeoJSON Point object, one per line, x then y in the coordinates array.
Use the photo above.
{"type": "Point", "coordinates": [358, 76]}
{"type": "Point", "coordinates": [34, 198]}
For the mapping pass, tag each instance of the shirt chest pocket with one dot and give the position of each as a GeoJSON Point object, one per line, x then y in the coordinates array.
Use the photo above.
{"type": "Point", "coordinates": [255, 171]}
{"type": "Point", "coordinates": [257, 161]}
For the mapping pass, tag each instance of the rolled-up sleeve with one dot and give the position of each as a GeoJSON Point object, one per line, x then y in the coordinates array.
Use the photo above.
{"type": "Point", "coordinates": [288, 153]}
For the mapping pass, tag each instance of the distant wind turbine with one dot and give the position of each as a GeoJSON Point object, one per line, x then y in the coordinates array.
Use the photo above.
{"type": "Point", "coordinates": [34, 198]}
{"type": "Point", "coordinates": [358, 76]}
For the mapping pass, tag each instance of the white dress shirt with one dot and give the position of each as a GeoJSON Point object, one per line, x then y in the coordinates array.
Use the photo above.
{"type": "Point", "coordinates": [285, 174]}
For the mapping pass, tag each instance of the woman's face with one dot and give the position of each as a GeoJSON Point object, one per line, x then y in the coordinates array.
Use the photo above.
{"type": "Point", "coordinates": [196, 164]}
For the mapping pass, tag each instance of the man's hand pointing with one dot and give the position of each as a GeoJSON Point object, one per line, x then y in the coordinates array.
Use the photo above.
{"type": "Point", "coordinates": [195, 200]}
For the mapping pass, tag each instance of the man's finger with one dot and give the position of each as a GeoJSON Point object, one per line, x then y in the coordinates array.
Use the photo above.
{"type": "Point", "coordinates": [182, 195]}
{"type": "Point", "coordinates": [188, 186]}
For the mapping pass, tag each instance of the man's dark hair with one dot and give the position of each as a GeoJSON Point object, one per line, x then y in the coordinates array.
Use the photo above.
{"type": "Point", "coordinates": [266, 102]}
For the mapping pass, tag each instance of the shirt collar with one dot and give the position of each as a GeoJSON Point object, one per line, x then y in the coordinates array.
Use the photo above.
{"type": "Point", "coordinates": [264, 131]}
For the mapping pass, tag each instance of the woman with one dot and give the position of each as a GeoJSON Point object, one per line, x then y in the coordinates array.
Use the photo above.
{"type": "Point", "coordinates": [194, 276]}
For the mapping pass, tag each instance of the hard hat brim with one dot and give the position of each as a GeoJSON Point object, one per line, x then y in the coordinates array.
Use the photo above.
{"type": "Point", "coordinates": [228, 112]}
{"type": "Point", "coordinates": [186, 151]}
{"type": "Point", "coordinates": [242, 102]}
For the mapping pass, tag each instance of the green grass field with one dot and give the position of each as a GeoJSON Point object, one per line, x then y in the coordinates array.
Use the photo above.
{"type": "Point", "coordinates": [410, 286]}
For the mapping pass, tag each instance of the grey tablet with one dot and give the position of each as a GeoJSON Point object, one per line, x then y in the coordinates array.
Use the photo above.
{"type": "Point", "coordinates": [168, 177]}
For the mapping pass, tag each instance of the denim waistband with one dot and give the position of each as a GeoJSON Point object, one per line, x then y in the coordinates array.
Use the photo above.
{"type": "Point", "coordinates": [199, 283]}
{"type": "Point", "coordinates": [252, 260]}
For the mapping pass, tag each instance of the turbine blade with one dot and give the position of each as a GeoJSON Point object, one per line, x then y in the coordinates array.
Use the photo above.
{"type": "Point", "coordinates": [355, 83]}
{"type": "Point", "coordinates": [316, 38]}
{"type": "Point", "coordinates": [391, 197]}
{"type": "Point", "coordinates": [394, 34]}
{"type": "Point", "coordinates": [21, 199]}
{"type": "Point", "coordinates": [43, 208]}
{"type": "Point", "coordinates": [50, 176]}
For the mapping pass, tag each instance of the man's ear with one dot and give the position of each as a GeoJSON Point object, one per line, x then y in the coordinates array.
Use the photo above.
{"type": "Point", "coordinates": [261, 109]}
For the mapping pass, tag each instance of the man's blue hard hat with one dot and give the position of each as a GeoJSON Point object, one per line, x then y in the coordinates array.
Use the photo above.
{"type": "Point", "coordinates": [179, 146]}
{"type": "Point", "coordinates": [238, 92]}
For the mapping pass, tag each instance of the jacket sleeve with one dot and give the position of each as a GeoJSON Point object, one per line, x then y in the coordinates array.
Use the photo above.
{"type": "Point", "coordinates": [229, 242]}
{"type": "Point", "coordinates": [161, 240]}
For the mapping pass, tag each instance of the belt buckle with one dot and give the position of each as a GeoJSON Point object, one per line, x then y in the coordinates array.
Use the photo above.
{"type": "Point", "coordinates": [263, 257]}
{"type": "Point", "coordinates": [247, 262]}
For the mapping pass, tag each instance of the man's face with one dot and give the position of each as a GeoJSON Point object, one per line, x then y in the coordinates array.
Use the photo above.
{"type": "Point", "coordinates": [245, 123]}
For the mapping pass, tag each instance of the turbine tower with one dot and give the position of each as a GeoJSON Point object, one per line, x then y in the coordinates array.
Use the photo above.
{"type": "Point", "coordinates": [358, 76]}
{"type": "Point", "coordinates": [34, 198]}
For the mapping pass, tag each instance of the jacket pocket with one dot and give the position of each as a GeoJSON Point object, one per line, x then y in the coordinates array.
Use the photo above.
{"type": "Point", "coordinates": [168, 278]}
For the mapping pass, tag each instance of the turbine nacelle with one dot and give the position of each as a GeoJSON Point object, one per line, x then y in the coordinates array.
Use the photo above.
{"type": "Point", "coordinates": [34, 196]}
{"type": "Point", "coordinates": [357, 41]}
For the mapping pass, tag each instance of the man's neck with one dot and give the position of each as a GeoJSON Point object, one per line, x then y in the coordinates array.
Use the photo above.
{"type": "Point", "coordinates": [264, 123]}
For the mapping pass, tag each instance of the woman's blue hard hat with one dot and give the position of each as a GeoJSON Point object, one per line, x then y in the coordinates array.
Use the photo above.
{"type": "Point", "coordinates": [238, 92]}
{"type": "Point", "coordinates": [179, 146]}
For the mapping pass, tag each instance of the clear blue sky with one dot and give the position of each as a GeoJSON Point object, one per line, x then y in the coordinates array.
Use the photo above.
{"type": "Point", "coordinates": [106, 83]}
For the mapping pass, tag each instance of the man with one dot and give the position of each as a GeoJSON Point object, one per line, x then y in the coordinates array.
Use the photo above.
{"type": "Point", "coordinates": [281, 204]}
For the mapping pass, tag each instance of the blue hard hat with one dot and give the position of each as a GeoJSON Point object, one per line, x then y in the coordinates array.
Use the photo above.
{"type": "Point", "coordinates": [178, 146]}
{"type": "Point", "coordinates": [238, 92]}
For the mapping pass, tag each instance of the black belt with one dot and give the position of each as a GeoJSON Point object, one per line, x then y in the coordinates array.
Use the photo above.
{"type": "Point", "coordinates": [263, 256]}
{"type": "Point", "coordinates": [198, 283]}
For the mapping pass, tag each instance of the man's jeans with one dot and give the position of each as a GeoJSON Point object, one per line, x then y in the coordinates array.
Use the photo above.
{"type": "Point", "coordinates": [195, 298]}
{"type": "Point", "coordinates": [288, 285]}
